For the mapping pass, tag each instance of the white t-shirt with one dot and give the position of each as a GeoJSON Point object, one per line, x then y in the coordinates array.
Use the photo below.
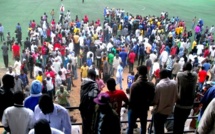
{"type": "Point", "coordinates": [63, 76]}
{"type": "Point", "coordinates": [199, 47]}
{"type": "Point", "coordinates": [17, 67]}
{"type": "Point", "coordinates": [53, 130]}
{"type": "Point", "coordinates": [19, 119]}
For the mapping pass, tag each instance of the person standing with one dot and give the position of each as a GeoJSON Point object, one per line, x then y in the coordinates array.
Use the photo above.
{"type": "Point", "coordinates": [84, 70]}
{"type": "Point", "coordinates": [76, 43]}
{"type": "Point", "coordinates": [186, 81]}
{"type": "Point", "coordinates": [110, 61]}
{"type": "Point", "coordinates": [89, 91]}
{"type": "Point", "coordinates": [202, 77]}
{"type": "Point", "coordinates": [56, 115]}
{"type": "Point", "coordinates": [140, 100]}
{"type": "Point", "coordinates": [131, 58]}
{"type": "Point", "coordinates": [105, 119]}
{"type": "Point", "coordinates": [62, 96]}
{"type": "Point", "coordinates": [14, 114]}
{"type": "Point", "coordinates": [116, 61]}
{"type": "Point", "coordinates": [5, 54]}
{"type": "Point", "coordinates": [35, 94]}
{"type": "Point", "coordinates": [1, 32]}
{"type": "Point", "coordinates": [116, 96]}
{"type": "Point", "coordinates": [16, 50]}
{"type": "Point", "coordinates": [164, 100]}
{"type": "Point", "coordinates": [6, 95]}
{"type": "Point", "coordinates": [119, 75]}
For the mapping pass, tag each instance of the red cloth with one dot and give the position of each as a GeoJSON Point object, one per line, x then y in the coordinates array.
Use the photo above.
{"type": "Point", "coordinates": [86, 19]}
{"type": "Point", "coordinates": [44, 50]}
{"type": "Point", "coordinates": [16, 49]}
{"type": "Point", "coordinates": [206, 53]}
{"type": "Point", "coordinates": [52, 75]}
{"type": "Point", "coordinates": [131, 57]}
{"type": "Point", "coordinates": [63, 50]}
{"type": "Point", "coordinates": [57, 45]}
{"type": "Point", "coordinates": [202, 76]}
{"type": "Point", "coordinates": [116, 98]}
{"type": "Point", "coordinates": [173, 50]}
{"type": "Point", "coordinates": [33, 25]}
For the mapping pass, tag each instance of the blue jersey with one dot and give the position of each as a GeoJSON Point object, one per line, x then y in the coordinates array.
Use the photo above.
{"type": "Point", "coordinates": [130, 80]}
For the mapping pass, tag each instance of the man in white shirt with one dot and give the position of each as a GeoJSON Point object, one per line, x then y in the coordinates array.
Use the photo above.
{"type": "Point", "coordinates": [17, 66]}
{"type": "Point", "coordinates": [64, 72]}
{"type": "Point", "coordinates": [119, 75]}
{"type": "Point", "coordinates": [17, 119]}
{"type": "Point", "coordinates": [56, 65]}
{"type": "Point", "coordinates": [163, 58]}
{"type": "Point", "coordinates": [153, 57]}
{"type": "Point", "coordinates": [10, 72]}
{"type": "Point", "coordinates": [199, 47]}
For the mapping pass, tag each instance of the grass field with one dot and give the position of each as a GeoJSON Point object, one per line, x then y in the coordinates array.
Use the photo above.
{"type": "Point", "coordinates": [13, 11]}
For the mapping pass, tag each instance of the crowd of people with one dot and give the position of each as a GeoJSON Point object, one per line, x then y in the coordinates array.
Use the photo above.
{"type": "Point", "coordinates": [174, 71]}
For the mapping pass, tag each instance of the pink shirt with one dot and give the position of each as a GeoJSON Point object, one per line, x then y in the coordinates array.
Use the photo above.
{"type": "Point", "coordinates": [100, 84]}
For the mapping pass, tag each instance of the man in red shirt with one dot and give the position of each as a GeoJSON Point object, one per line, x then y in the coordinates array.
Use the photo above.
{"type": "Point", "coordinates": [116, 96]}
{"type": "Point", "coordinates": [16, 49]}
{"type": "Point", "coordinates": [131, 59]}
{"type": "Point", "coordinates": [57, 45]}
{"type": "Point", "coordinates": [202, 77]}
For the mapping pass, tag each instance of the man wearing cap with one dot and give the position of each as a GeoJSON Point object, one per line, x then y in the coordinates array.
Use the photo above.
{"type": "Point", "coordinates": [105, 119]}
{"type": "Point", "coordinates": [140, 100]}
{"type": "Point", "coordinates": [35, 90]}
{"type": "Point", "coordinates": [89, 91]}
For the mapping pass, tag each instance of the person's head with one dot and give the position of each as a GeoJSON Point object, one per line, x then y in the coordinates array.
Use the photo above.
{"type": "Point", "coordinates": [40, 73]}
{"type": "Point", "coordinates": [61, 65]}
{"type": "Point", "coordinates": [42, 127]}
{"type": "Point", "coordinates": [46, 104]}
{"type": "Point", "coordinates": [111, 84]}
{"type": "Point", "coordinates": [60, 73]}
{"type": "Point", "coordinates": [92, 74]}
{"type": "Point", "coordinates": [132, 73]}
{"type": "Point", "coordinates": [142, 70]}
{"type": "Point", "coordinates": [85, 64]}
{"type": "Point", "coordinates": [16, 76]}
{"type": "Point", "coordinates": [36, 87]}
{"type": "Point", "coordinates": [62, 88]}
{"type": "Point", "coordinates": [164, 74]}
{"type": "Point", "coordinates": [8, 81]}
{"type": "Point", "coordinates": [10, 69]}
{"type": "Point", "coordinates": [19, 97]}
{"type": "Point", "coordinates": [203, 68]}
{"type": "Point", "coordinates": [187, 66]}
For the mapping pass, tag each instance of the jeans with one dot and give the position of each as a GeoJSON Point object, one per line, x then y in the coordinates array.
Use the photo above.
{"type": "Point", "coordinates": [111, 69]}
{"type": "Point", "coordinates": [69, 83]}
{"type": "Point", "coordinates": [132, 117]}
{"type": "Point", "coordinates": [44, 60]}
{"type": "Point", "coordinates": [31, 68]}
{"type": "Point", "coordinates": [180, 116]}
{"type": "Point", "coordinates": [159, 120]}
{"type": "Point", "coordinates": [140, 60]}
{"type": "Point", "coordinates": [74, 72]}
{"type": "Point", "coordinates": [119, 81]}
{"type": "Point", "coordinates": [200, 86]}
{"type": "Point", "coordinates": [5, 57]}
{"type": "Point", "coordinates": [131, 67]}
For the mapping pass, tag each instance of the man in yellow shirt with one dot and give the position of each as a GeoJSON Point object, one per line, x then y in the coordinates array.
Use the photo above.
{"type": "Point", "coordinates": [84, 71]}
{"type": "Point", "coordinates": [76, 43]}
{"type": "Point", "coordinates": [40, 76]}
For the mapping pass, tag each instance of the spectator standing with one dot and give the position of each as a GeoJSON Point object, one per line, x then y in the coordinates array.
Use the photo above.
{"type": "Point", "coordinates": [14, 114]}
{"type": "Point", "coordinates": [164, 100]}
{"type": "Point", "coordinates": [5, 54]}
{"type": "Point", "coordinates": [1, 32]}
{"type": "Point", "coordinates": [116, 96]}
{"type": "Point", "coordinates": [56, 115]}
{"type": "Point", "coordinates": [119, 75]}
{"type": "Point", "coordinates": [35, 94]}
{"type": "Point", "coordinates": [6, 95]}
{"type": "Point", "coordinates": [131, 59]}
{"type": "Point", "coordinates": [62, 96]}
{"type": "Point", "coordinates": [18, 84]}
{"type": "Point", "coordinates": [140, 100]}
{"type": "Point", "coordinates": [202, 77]}
{"type": "Point", "coordinates": [186, 81]}
{"type": "Point", "coordinates": [105, 119]}
{"type": "Point", "coordinates": [89, 91]}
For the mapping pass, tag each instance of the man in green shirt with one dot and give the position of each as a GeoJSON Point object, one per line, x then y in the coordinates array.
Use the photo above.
{"type": "Point", "coordinates": [110, 61]}
{"type": "Point", "coordinates": [62, 96]}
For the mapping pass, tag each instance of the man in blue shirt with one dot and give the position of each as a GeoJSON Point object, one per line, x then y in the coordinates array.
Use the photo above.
{"type": "Point", "coordinates": [56, 115]}
{"type": "Point", "coordinates": [119, 75]}
{"type": "Point", "coordinates": [207, 65]}
{"type": "Point", "coordinates": [123, 55]}
{"type": "Point", "coordinates": [130, 80]}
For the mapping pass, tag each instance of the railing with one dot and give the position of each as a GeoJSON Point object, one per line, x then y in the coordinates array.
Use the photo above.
{"type": "Point", "coordinates": [148, 120]}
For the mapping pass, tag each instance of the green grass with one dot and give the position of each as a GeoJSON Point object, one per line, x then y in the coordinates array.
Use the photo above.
{"type": "Point", "coordinates": [13, 11]}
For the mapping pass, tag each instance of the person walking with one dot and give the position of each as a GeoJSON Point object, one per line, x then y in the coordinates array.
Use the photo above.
{"type": "Point", "coordinates": [186, 81]}
{"type": "Point", "coordinates": [140, 100]}
{"type": "Point", "coordinates": [5, 54]}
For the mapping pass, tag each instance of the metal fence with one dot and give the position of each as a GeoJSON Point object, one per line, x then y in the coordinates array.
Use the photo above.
{"type": "Point", "coordinates": [148, 120]}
